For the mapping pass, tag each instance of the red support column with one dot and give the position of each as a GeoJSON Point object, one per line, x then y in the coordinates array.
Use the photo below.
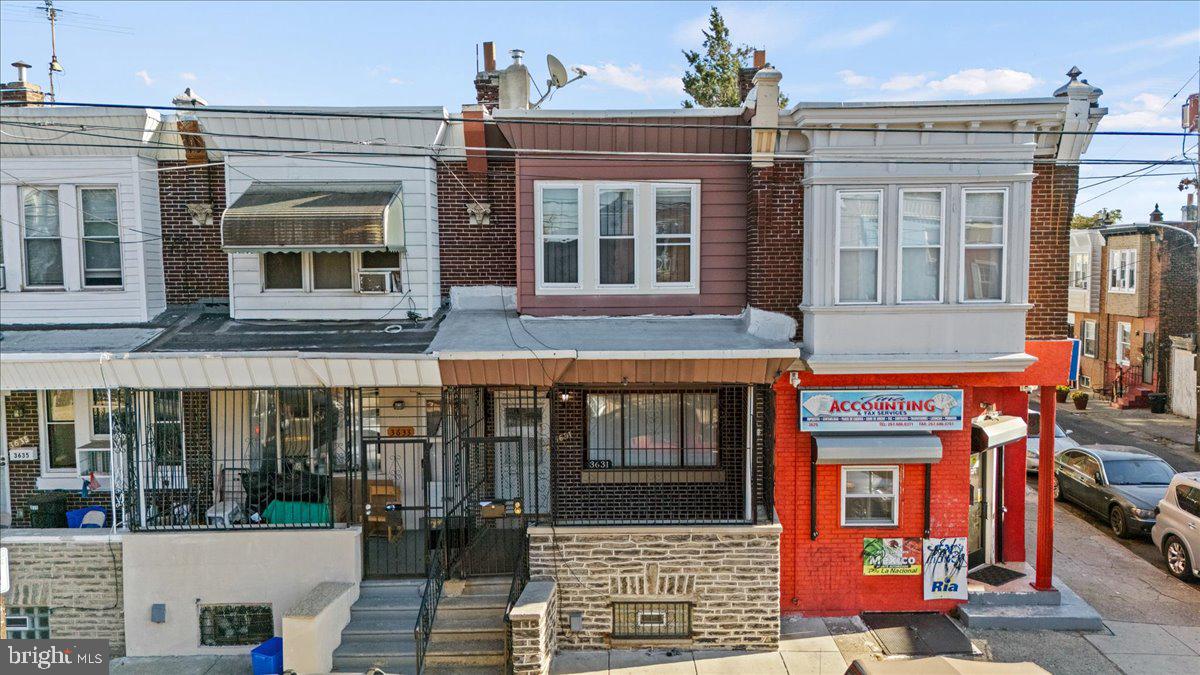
{"type": "Point", "coordinates": [1045, 504]}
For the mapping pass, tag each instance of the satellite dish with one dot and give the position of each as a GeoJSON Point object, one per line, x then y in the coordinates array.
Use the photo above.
{"type": "Point", "coordinates": [558, 74]}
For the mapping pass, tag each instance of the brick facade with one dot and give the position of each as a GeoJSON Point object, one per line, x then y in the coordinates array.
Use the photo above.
{"type": "Point", "coordinates": [1177, 298]}
{"type": "Point", "coordinates": [79, 580]}
{"type": "Point", "coordinates": [1053, 204]}
{"type": "Point", "coordinates": [775, 239]}
{"type": "Point", "coordinates": [477, 254]}
{"type": "Point", "coordinates": [194, 264]}
{"type": "Point", "coordinates": [729, 574]}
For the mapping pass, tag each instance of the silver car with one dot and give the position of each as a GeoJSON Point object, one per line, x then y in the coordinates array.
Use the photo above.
{"type": "Point", "coordinates": [1062, 441]}
{"type": "Point", "coordinates": [1176, 532]}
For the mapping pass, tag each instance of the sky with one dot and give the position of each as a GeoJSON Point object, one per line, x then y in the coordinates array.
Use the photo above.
{"type": "Point", "coordinates": [396, 54]}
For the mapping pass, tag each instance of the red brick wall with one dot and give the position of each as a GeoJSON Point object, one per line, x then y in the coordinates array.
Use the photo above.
{"type": "Point", "coordinates": [477, 255]}
{"type": "Point", "coordinates": [193, 262]}
{"type": "Point", "coordinates": [1054, 191]}
{"type": "Point", "coordinates": [824, 576]}
{"type": "Point", "coordinates": [775, 238]}
{"type": "Point", "coordinates": [1176, 266]}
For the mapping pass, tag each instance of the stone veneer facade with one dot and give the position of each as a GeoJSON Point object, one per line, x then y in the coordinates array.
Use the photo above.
{"type": "Point", "coordinates": [534, 625]}
{"type": "Point", "coordinates": [730, 574]}
{"type": "Point", "coordinates": [77, 577]}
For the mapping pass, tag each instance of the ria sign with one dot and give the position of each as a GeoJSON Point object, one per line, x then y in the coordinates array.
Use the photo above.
{"type": "Point", "coordinates": [881, 409]}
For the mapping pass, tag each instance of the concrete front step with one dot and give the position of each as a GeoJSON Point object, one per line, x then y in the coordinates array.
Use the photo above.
{"type": "Point", "coordinates": [1072, 613]}
{"type": "Point", "coordinates": [473, 602]}
{"type": "Point", "coordinates": [380, 623]}
{"type": "Point", "coordinates": [1010, 599]}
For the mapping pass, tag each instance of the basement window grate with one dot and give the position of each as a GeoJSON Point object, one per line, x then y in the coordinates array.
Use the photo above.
{"type": "Point", "coordinates": [652, 620]}
{"type": "Point", "coordinates": [28, 623]}
{"type": "Point", "coordinates": [229, 625]}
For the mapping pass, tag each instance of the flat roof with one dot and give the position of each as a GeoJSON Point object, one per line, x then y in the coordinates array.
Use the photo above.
{"type": "Point", "coordinates": [75, 339]}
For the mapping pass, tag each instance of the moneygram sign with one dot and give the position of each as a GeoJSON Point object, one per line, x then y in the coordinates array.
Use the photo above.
{"type": "Point", "coordinates": [881, 409]}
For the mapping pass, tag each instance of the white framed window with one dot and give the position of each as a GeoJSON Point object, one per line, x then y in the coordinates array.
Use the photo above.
{"type": "Point", "coordinates": [58, 427]}
{"type": "Point", "coordinates": [331, 272]}
{"type": "Point", "coordinates": [984, 237]}
{"type": "Point", "coordinates": [922, 215]}
{"type": "Point", "coordinates": [101, 241]}
{"type": "Point", "coordinates": [1081, 271]}
{"type": "Point", "coordinates": [1124, 342]}
{"type": "Point", "coordinates": [40, 230]}
{"type": "Point", "coordinates": [676, 248]}
{"type": "Point", "coordinates": [558, 246]}
{"type": "Point", "coordinates": [379, 272]}
{"type": "Point", "coordinates": [1085, 381]}
{"type": "Point", "coordinates": [870, 495]}
{"type": "Point", "coordinates": [3, 270]}
{"type": "Point", "coordinates": [1122, 270]}
{"type": "Point", "coordinates": [859, 250]}
{"type": "Point", "coordinates": [283, 271]}
{"type": "Point", "coordinates": [616, 250]}
{"type": "Point", "coordinates": [1088, 333]}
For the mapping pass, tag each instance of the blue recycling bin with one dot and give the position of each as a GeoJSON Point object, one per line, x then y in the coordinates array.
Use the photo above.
{"type": "Point", "coordinates": [75, 517]}
{"type": "Point", "coordinates": [267, 658]}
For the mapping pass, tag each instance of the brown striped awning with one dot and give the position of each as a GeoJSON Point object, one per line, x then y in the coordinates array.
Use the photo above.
{"type": "Point", "coordinates": [532, 372]}
{"type": "Point", "coordinates": [288, 216]}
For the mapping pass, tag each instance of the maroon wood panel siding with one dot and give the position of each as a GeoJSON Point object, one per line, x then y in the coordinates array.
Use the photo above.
{"type": "Point", "coordinates": [723, 198]}
{"type": "Point", "coordinates": [679, 134]}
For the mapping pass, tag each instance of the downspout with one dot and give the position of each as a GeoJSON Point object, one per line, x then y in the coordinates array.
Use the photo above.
{"type": "Point", "coordinates": [438, 140]}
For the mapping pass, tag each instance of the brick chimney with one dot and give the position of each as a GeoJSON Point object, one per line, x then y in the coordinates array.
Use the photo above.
{"type": "Point", "coordinates": [487, 81]}
{"type": "Point", "coordinates": [746, 75]}
{"type": "Point", "coordinates": [22, 92]}
{"type": "Point", "coordinates": [188, 126]}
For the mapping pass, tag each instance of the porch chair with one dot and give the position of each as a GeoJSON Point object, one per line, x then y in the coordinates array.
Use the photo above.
{"type": "Point", "coordinates": [379, 495]}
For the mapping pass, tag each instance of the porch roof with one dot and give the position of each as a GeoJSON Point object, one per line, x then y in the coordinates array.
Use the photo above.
{"type": "Point", "coordinates": [482, 346]}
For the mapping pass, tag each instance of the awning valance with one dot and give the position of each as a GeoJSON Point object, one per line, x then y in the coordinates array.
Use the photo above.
{"type": "Point", "coordinates": [292, 216]}
{"type": "Point", "coordinates": [924, 448]}
{"type": "Point", "coordinates": [992, 432]}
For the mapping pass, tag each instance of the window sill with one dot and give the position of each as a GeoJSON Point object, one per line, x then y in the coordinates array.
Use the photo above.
{"type": "Point", "coordinates": [69, 482]}
{"type": "Point", "coordinates": [651, 476]}
{"type": "Point", "coordinates": [657, 290]}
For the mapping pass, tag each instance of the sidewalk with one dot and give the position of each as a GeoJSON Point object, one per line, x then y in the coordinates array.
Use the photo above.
{"type": "Point", "coordinates": [1163, 428]}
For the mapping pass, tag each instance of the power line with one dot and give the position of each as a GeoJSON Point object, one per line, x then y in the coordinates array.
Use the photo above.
{"type": "Point", "coordinates": [591, 122]}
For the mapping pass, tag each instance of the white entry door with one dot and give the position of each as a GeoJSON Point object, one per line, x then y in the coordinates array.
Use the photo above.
{"type": "Point", "coordinates": [523, 465]}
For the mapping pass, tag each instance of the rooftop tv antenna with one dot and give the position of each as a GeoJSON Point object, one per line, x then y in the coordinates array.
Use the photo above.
{"type": "Point", "coordinates": [558, 78]}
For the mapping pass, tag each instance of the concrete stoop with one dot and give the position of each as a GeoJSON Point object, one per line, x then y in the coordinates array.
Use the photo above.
{"type": "Point", "coordinates": [1060, 609]}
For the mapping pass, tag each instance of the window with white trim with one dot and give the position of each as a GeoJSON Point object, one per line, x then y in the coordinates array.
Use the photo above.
{"type": "Point", "coordinates": [1088, 332]}
{"type": "Point", "coordinates": [921, 245]}
{"type": "Point", "coordinates": [870, 495]}
{"type": "Point", "coordinates": [98, 212]}
{"type": "Point", "coordinates": [59, 406]}
{"type": "Point", "coordinates": [332, 272]}
{"type": "Point", "coordinates": [984, 233]}
{"type": "Point", "coordinates": [1081, 271]}
{"type": "Point", "coordinates": [858, 242]}
{"type": "Point", "coordinates": [1122, 270]}
{"type": "Point", "coordinates": [617, 238]}
{"type": "Point", "coordinates": [42, 238]}
{"type": "Point", "coordinates": [283, 271]}
{"type": "Point", "coordinates": [1124, 342]}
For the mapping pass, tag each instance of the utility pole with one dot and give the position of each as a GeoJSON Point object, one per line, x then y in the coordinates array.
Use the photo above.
{"type": "Point", "coordinates": [55, 66]}
{"type": "Point", "coordinates": [1191, 123]}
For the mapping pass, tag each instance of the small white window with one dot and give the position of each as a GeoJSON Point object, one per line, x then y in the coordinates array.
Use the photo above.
{"type": "Point", "coordinates": [43, 241]}
{"type": "Point", "coordinates": [1089, 338]}
{"type": "Point", "coordinates": [558, 231]}
{"type": "Point", "coordinates": [617, 232]}
{"type": "Point", "coordinates": [1122, 270]}
{"type": "Point", "coordinates": [60, 445]}
{"type": "Point", "coordinates": [283, 271]}
{"type": "Point", "coordinates": [674, 236]}
{"type": "Point", "coordinates": [870, 495]}
{"type": "Point", "coordinates": [984, 236]}
{"type": "Point", "coordinates": [332, 271]}
{"type": "Point", "coordinates": [920, 246]}
{"type": "Point", "coordinates": [101, 237]}
{"type": "Point", "coordinates": [1085, 381]}
{"type": "Point", "coordinates": [379, 272]}
{"type": "Point", "coordinates": [858, 242]}
{"type": "Point", "coordinates": [1081, 271]}
{"type": "Point", "coordinates": [1124, 342]}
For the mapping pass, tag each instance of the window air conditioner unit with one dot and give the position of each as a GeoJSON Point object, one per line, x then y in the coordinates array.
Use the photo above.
{"type": "Point", "coordinates": [375, 282]}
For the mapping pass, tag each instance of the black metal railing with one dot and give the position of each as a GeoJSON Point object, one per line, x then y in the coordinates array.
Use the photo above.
{"type": "Point", "coordinates": [520, 579]}
{"type": "Point", "coordinates": [427, 613]}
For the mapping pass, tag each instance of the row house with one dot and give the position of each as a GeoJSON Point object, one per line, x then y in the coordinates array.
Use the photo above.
{"type": "Point", "coordinates": [1132, 289]}
{"type": "Point", "coordinates": [647, 377]}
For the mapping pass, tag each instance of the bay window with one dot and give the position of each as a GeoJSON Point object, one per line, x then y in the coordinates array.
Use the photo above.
{"type": "Point", "coordinates": [984, 236]}
{"type": "Point", "coordinates": [870, 495]}
{"type": "Point", "coordinates": [858, 244]}
{"type": "Point", "coordinates": [652, 429]}
{"type": "Point", "coordinates": [673, 240]}
{"type": "Point", "coordinates": [920, 246]}
{"type": "Point", "coordinates": [1122, 270]}
{"type": "Point", "coordinates": [101, 240]}
{"type": "Point", "coordinates": [43, 241]}
{"type": "Point", "coordinates": [559, 233]}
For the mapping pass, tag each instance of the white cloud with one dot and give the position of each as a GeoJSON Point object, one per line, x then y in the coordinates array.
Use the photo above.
{"type": "Point", "coordinates": [1184, 39]}
{"type": "Point", "coordinates": [853, 79]}
{"type": "Point", "coordinates": [396, 80]}
{"type": "Point", "coordinates": [904, 82]}
{"type": "Point", "coordinates": [634, 78]}
{"type": "Point", "coordinates": [855, 38]}
{"type": "Point", "coordinates": [762, 26]}
{"type": "Point", "coordinates": [978, 81]}
{"type": "Point", "coordinates": [1145, 111]}
{"type": "Point", "coordinates": [189, 77]}
{"type": "Point", "coordinates": [145, 77]}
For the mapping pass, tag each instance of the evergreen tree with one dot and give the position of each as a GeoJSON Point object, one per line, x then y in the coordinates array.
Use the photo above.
{"type": "Point", "coordinates": [712, 77]}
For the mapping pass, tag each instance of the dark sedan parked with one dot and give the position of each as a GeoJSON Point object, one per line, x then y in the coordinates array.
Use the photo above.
{"type": "Point", "coordinates": [1120, 483]}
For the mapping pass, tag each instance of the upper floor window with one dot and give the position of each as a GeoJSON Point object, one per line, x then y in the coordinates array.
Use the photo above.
{"type": "Point", "coordinates": [43, 239]}
{"type": "Point", "coordinates": [332, 271]}
{"type": "Point", "coordinates": [1122, 270]}
{"type": "Point", "coordinates": [858, 235]}
{"type": "Point", "coordinates": [921, 216]}
{"type": "Point", "coordinates": [101, 240]}
{"type": "Point", "coordinates": [1088, 332]}
{"type": "Point", "coordinates": [617, 237]}
{"type": "Point", "coordinates": [985, 215]}
{"type": "Point", "coordinates": [1081, 271]}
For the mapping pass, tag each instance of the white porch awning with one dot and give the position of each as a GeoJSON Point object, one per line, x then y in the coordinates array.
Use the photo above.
{"type": "Point", "coordinates": [922, 448]}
